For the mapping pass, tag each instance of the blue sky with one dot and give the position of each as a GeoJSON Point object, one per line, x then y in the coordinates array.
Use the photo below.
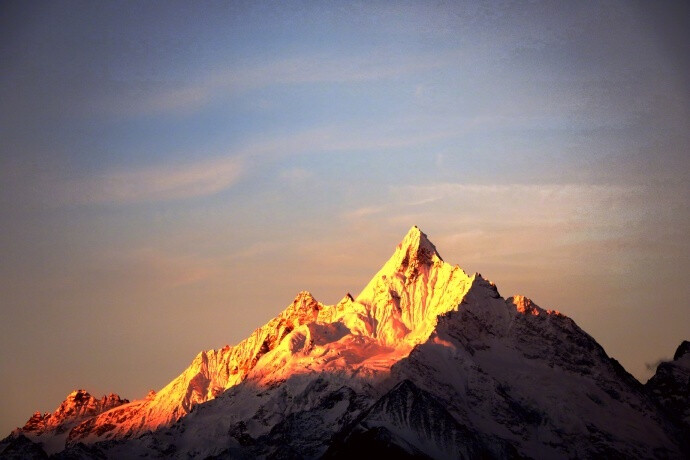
{"type": "Point", "coordinates": [172, 175]}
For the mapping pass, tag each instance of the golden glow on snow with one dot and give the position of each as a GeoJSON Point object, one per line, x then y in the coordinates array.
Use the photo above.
{"type": "Point", "coordinates": [363, 336]}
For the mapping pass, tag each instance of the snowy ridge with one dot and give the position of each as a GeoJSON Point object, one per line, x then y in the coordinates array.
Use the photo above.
{"type": "Point", "coordinates": [52, 429]}
{"type": "Point", "coordinates": [410, 422]}
{"type": "Point", "coordinates": [210, 373]}
{"type": "Point", "coordinates": [394, 312]}
{"type": "Point", "coordinates": [77, 405]}
{"type": "Point", "coordinates": [425, 361]}
{"type": "Point", "coordinates": [533, 378]}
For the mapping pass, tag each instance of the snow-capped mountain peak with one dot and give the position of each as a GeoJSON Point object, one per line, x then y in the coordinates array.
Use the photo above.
{"type": "Point", "coordinates": [52, 429]}
{"type": "Point", "coordinates": [79, 404]}
{"type": "Point", "coordinates": [404, 299]}
{"type": "Point", "coordinates": [426, 360]}
{"type": "Point", "coordinates": [415, 249]}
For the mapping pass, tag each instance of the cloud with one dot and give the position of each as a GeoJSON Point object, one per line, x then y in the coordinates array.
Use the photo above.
{"type": "Point", "coordinates": [349, 138]}
{"type": "Point", "coordinates": [519, 201]}
{"type": "Point", "coordinates": [337, 139]}
{"type": "Point", "coordinates": [170, 270]}
{"type": "Point", "coordinates": [296, 175]}
{"type": "Point", "coordinates": [514, 223]}
{"type": "Point", "coordinates": [86, 95]}
{"type": "Point", "coordinates": [211, 176]}
{"type": "Point", "coordinates": [154, 183]}
{"type": "Point", "coordinates": [522, 223]}
{"type": "Point", "coordinates": [285, 71]}
{"type": "Point", "coordinates": [362, 212]}
{"type": "Point", "coordinates": [327, 69]}
{"type": "Point", "coordinates": [147, 268]}
{"type": "Point", "coordinates": [259, 249]}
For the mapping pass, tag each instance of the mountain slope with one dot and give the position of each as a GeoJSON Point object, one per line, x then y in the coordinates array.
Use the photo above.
{"type": "Point", "coordinates": [210, 373]}
{"type": "Point", "coordinates": [395, 311]}
{"type": "Point", "coordinates": [671, 387]}
{"type": "Point", "coordinates": [533, 378]}
{"type": "Point", "coordinates": [51, 430]}
{"type": "Point", "coordinates": [425, 361]}
{"type": "Point", "coordinates": [412, 423]}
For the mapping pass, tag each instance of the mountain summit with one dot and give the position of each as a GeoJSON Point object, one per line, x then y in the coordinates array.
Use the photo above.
{"type": "Point", "coordinates": [426, 362]}
{"type": "Point", "coordinates": [416, 248]}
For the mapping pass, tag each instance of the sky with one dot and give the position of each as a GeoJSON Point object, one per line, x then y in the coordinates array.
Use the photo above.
{"type": "Point", "coordinates": [173, 174]}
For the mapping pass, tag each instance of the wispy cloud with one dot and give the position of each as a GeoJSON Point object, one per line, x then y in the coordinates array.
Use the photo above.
{"type": "Point", "coordinates": [144, 267]}
{"type": "Point", "coordinates": [443, 189]}
{"type": "Point", "coordinates": [362, 212]}
{"type": "Point", "coordinates": [347, 138]}
{"type": "Point", "coordinates": [154, 183]}
{"type": "Point", "coordinates": [211, 176]}
{"type": "Point", "coordinates": [327, 69]}
{"type": "Point", "coordinates": [286, 71]}
{"type": "Point", "coordinates": [518, 201]}
{"type": "Point", "coordinates": [296, 175]}
{"type": "Point", "coordinates": [495, 221]}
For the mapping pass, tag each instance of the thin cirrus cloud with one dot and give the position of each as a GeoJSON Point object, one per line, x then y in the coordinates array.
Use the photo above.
{"type": "Point", "coordinates": [536, 215]}
{"type": "Point", "coordinates": [510, 194]}
{"type": "Point", "coordinates": [182, 181]}
{"type": "Point", "coordinates": [363, 212]}
{"type": "Point", "coordinates": [545, 223]}
{"type": "Point", "coordinates": [209, 177]}
{"type": "Point", "coordinates": [296, 175]}
{"type": "Point", "coordinates": [154, 183]}
{"type": "Point", "coordinates": [150, 267]}
{"type": "Point", "coordinates": [287, 71]}
{"type": "Point", "coordinates": [575, 210]}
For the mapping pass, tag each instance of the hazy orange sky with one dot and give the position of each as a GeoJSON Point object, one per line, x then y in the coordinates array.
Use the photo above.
{"type": "Point", "coordinates": [172, 175]}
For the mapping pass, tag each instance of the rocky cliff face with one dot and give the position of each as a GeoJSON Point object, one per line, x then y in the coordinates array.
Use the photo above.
{"type": "Point", "coordinates": [210, 373]}
{"type": "Point", "coordinates": [425, 361]}
{"type": "Point", "coordinates": [52, 429]}
{"type": "Point", "coordinates": [78, 405]}
{"type": "Point", "coordinates": [670, 385]}
{"type": "Point", "coordinates": [395, 311]}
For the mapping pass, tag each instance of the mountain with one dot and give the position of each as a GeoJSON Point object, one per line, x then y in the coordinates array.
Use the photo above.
{"type": "Point", "coordinates": [426, 362]}
{"type": "Point", "coordinates": [410, 422]}
{"type": "Point", "coordinates": [671, 387]}
{"type": "Point", "coordinates": [53, 429]}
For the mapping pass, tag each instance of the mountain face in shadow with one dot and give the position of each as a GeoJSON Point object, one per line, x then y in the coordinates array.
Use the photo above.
{"type": "Point", "coordinates": [426, 362]}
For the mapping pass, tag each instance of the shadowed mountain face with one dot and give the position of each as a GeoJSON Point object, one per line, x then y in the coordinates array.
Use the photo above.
{"type": "Point", "coordinates": [411, 423]}
{"type": "Point", "coordinates": [670, 385]}
{"type": "Point", "coordinates": [426, 362]}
